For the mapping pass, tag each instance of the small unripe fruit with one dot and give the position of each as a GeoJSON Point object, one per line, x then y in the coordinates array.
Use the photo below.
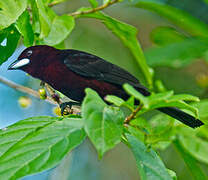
{"type": "Point", "coordinates": [42, 93]}
{"type": "Point", "coordinates": [24, 101]}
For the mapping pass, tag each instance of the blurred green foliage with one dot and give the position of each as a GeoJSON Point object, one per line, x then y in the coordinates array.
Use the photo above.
{"type": "Point", "coordinates": [39, 143]}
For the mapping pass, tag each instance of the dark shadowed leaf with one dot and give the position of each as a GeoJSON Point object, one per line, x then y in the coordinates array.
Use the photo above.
{"type": "Point", "coordinates": [103, 124]}
{"type": "Point", "coordinates": [9, 38]}
{"type": "Point", "coordinates": [36, 144]}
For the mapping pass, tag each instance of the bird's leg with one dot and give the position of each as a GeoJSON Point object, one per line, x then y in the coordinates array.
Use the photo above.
{"type": "Point", "coordinates": [69, 105]}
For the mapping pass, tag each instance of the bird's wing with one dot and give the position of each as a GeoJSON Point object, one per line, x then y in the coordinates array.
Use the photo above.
{"type": "Point", "coordinates": [91, 66]}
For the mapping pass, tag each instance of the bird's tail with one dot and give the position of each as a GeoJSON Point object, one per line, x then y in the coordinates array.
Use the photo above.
{"type": "Point", "coordinates": [181, 116]}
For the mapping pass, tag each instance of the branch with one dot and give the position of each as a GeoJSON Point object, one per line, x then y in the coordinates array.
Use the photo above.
{"type": "Point", "coordinates": [33, 93]}
{"type": "Point", "coordinates": [24, 89]}
{"type": "Point", "coordinates": [94, 9]}
{"type": "Point", "coordinates": [132, 115]}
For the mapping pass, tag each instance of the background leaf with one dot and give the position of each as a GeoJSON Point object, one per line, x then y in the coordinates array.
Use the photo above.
{"type": "Point", "coordinates": [177, 54]}
{"type": "Point", "coordinates": [60, 29]}
{"type": "Point", "coordinates": [196, 147]}
{"type": "Point", "coordinates": [191, 163]}
{"type": "Point", "coordinates": [182, 19]}
{"type": "Point", "coordinates": [36, 144]}
{"type": "Point", "coordinates": [164, 35]}
{"type": "Point", "coordinates": [148, 162]}
{"type": "Point", "coordinates": [128, 35]}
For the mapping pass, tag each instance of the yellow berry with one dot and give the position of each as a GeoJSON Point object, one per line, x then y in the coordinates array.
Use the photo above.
{"type": "Point", "coordinates": [57, 111]}
{"type": "Point", "coordinates": [24, 101]}
{"type": "Point", "coordinates": [42, 93]}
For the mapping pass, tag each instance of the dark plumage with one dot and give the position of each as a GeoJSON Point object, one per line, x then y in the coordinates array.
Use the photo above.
{"type": "Point", "coordinates": [71, 71]}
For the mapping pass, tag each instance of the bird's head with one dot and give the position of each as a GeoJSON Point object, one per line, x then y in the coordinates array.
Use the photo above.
{"type": "Point", "coordinates": [34, 58]}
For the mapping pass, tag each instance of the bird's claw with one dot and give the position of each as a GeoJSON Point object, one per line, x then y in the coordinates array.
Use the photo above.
{"type": "Point", "coordinates": [68, 105]}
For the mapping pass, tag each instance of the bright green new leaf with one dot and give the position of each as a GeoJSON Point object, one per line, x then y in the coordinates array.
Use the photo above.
{"type": "Point", "coordinates": [165, 35]}
{"type": "Point", "coordinates": [202, 107]}
{"type": "Point", "coordinates": [149, 164]}
{"type": "Point", "coordinates": [172, 174]}
{"type": "Point", "coordinates": [10, 10]}
{"type": "Point", "coordinates": [178, 17]}
{"type": "Point", "coordinates": [106, 1]}
{"type": "Point", "coordinates": [46, 16]}
{"type": "Point", "coordinates": [60, 29]}
{"type": "Point", "coordinates": [103, 124]}
{"type": "Point", "coordinates": [177, 54]}
{"type": "Point", "coordinates": [115, 100]}
{"type": "Point", "coordinates": [128, 35]}
{"type": "Point", "coordinates": [9, 38]}
{"type": "Point", "coordinates": [25, 28]}
{"type": "Point", "coordinates": [191, 162]}
{"type": "Point", "coordinates": [195, 146]}
{"type": "Point", "coordinates": [133, 92]}
{"type": "Point", "coordinates": [36, 144]}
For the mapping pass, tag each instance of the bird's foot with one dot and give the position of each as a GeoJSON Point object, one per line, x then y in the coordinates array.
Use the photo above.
{"type": "Point", "coordinates": [66, 108]}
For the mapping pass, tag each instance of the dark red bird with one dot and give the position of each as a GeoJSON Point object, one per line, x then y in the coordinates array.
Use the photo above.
{"type": "Point", "coordinates": [71, 71]}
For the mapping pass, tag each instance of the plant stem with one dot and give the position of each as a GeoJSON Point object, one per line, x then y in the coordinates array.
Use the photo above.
{"type": "Point", "coordinates": [99, 8]}
{"type": "Point", "coordinates": [132, 115]}
{"type": "Point", "coordinates": [24, 89]}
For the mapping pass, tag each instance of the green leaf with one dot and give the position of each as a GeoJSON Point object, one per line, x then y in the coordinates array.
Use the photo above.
{"type": "Point", "coordinates": [172, 174]}
{"type": "Point", "coordinates": [36, 144]}
{"type": "Point", "coordinates": [106, 1]}
{"type": "Point", "coordinates": [177, 54]}
{"type": "Point", "coordinates": [103, 124]}
{"type": "Point", "coordinates": [10, 10]}
{"type": "Point", "coordinates": [133, 92]}
{"type": "Point", "coordinates": [46, 16]}
{"type": "Point", "coordinates": [114, 100]}
{"type": "Point", "coordinates": [196, 147]}
{"type": "Point", "coordinates": [93, 3]}
{"type": "Point", "coordinates": [60, 29]}
{"type": "Point", "coordinates": [35, 17]}
{"type": "Point", "coordinates": [128, 35]}
{"type": "Point", "coordinates": [25, 28]}
{"type": "Point", "coordinates": [164, 35]}
{"type": "Point", "coordinates": [184, 20]}
{"type": "Point", "coordinates": [9, 38]}
{"type": "Point", "coordinates": [191, 163]}
{"type": "Point", "coordinates": [148, 162]}
{"type": "Point", "coordinates": [202, 107]}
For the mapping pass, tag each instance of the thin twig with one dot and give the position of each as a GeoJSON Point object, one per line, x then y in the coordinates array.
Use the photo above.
{"type": "Point", "coordinates": [94, 9]}
{"type": "Point", "coordinates": [24, 89]}
{"type": "Point", "coordinates": [54, 3]}
{"type": "Point", "coordinates": [132, 115]}
{"type": "Point", "coordinates": [33, 93]}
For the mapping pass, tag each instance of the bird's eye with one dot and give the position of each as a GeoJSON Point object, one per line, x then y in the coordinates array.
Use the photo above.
{"type": "Point", "coordinates": [29, 53]}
